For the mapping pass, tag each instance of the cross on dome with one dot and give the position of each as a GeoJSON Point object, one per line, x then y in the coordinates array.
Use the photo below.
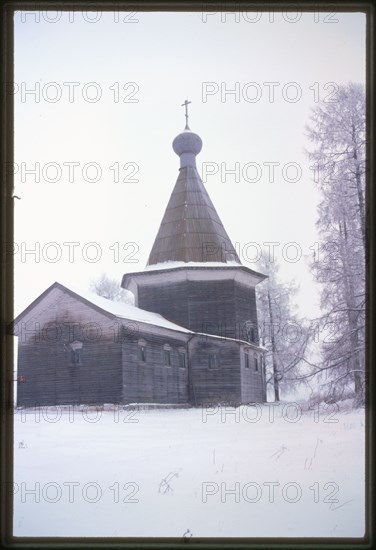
{"type": "Point", "coordinates": [187, 144]}
{"type": "Point", "coordinates": [185, 104]}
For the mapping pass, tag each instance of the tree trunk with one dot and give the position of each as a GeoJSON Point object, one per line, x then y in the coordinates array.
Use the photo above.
{"type": "Point", "coordinates": [275, 369]}
{"type": "Point", "coordinates": [352, 314]}
{"type": "Point", "coordinates": [359, 190]}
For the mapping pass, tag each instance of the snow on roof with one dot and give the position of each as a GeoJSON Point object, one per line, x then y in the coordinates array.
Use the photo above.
{"type": "Point", "coordinates": [133, 313]}
{"type": "Point", "coordinates": [126, 311]}
{"type": "Point", "coordinates": [172, 264]}
{"type": "Point", "coordinates": [130, 312]}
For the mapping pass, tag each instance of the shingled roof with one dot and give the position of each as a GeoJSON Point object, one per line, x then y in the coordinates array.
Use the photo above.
{"type": "Point", "coordinates": [191, 230]}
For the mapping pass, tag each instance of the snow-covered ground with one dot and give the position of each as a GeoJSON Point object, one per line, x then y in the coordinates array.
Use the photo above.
{"type": "Point", "coordinates": [266, 471]}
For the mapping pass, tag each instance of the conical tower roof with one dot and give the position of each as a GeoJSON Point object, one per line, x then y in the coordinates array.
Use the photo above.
{"type": "Point", "coordinates": [191, 230]}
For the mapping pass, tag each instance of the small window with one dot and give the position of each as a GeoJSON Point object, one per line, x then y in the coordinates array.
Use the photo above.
{"type": "Point", "coordinates": [167, 357]}
{"type": "Point", "coordinates": [256, 364]}
{"type": "Point", "coordinates": [182, 360]}
{"type": "Point", "coordinates": [76, 353]}
{"type": "Point", "coordinates": [246, 359]}
{"type": "Point", "coordinates": [142, 353]}
{"type": "Point", "coordinates": [141, 350]}
{"type": "Point", "coordinates": [250, 332]}
{"type": "Point", "coordinates": [214, 361]}
{"type": "Point", "coordinates": [76, 356]}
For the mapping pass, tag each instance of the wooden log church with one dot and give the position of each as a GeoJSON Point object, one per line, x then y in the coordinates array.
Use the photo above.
{"type": "Point", "coordinates": [190, 338]}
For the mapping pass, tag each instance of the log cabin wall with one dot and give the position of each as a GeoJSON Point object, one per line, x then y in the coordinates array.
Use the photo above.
{"type": "Point", "coordinates": [55, 373]}
{"type": "Point", "coordinates": [155, 367]}
{"type": "Point", "coordinates": [71, 353]}
{"type": "Point", "coordinates": [246, 313]}
{"type": "Point", "coordinates": [214, 380]}
{"type": "Point", "coordinates": [252, 375]}
{"type": "Point", "coordinates": [221, 307]}
{"type": "Point", "coordinates": [200, 306]}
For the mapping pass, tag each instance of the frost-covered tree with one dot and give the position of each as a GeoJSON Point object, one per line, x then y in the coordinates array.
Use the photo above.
{"type": "Point", "coordinates": [337, 130]}
{"type": "Point", "coordinates": [111, 290]}
{"type": "Point", "coordinates": [281, 332]}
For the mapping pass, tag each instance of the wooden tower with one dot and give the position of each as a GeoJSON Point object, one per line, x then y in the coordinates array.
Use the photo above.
{"type": "Point", "coordinates": [194, 276]}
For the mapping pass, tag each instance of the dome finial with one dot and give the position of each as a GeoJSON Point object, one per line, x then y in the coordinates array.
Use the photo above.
{"type": "Point", "coordinates": [185, 104]}
{"type": "Point", "coordinates": [187, 144]}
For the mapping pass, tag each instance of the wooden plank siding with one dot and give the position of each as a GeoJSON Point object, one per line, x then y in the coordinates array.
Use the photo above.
{"type": "Point", "coordinates": [223, 308]}
{"type": "Point", "coordinates": [200, 306]}
{"type": "Point", "coordinates": [112, 370]}
{"type": "Point", "coordinates": [152, 381]}
{"type": "Point", "coordinates": [211, 306]}
{"type": "Point", "coordinates": [169, 300]}
{"type": "Point", "coordinates": [217, 385]}
{"type": "Point", "coordinates": [45, 355]}
{"type": "Point", "coordinates": [246, 313]}
{"type": "Point", "coordinates": [252, 381]}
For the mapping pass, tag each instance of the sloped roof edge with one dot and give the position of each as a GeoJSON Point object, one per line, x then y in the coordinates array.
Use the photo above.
{"type": "Point", "coordinates": [154, 317]}
{"type": "Point", "coordinates": [191, 266]}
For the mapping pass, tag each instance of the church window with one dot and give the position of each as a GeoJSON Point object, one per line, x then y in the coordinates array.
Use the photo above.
{"type": "Point", "coordinates": [76, 353]}
{"type": "Point", "coordinates": [256, 364]}
{"type": "Point", "coordinates": [182, 360]}
{"type": "Point", "coordinates": [167, 355]}
{"type": "Point", "coordinates": [142, 351]}
{"type": "Point", "coordinates": [250, 332]}
{"type": "Point", "coordinates": [76, 356]}
{"type": "Point", "coordinates": [246, 359]}
{"type": "Point", "coordinates": [214, 362]}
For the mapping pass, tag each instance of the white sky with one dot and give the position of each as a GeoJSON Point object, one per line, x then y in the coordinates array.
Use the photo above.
{"type": "Point", "coordinates": [168, 57]}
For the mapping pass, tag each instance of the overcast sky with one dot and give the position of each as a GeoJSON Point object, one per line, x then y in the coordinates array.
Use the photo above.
{"type": "Point", "coordinates": [108, 93]}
